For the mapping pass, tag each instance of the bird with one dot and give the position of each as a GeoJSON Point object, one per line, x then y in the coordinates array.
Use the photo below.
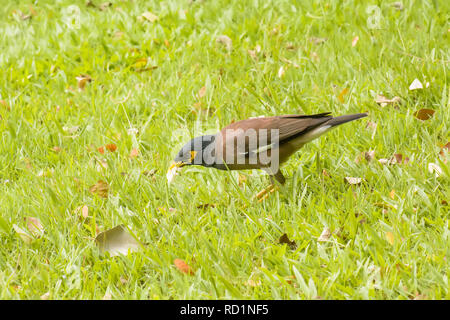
{"type": "Point", "coordinates": [257, 143]}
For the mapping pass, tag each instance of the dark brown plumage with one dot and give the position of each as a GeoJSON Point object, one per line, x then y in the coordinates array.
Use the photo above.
{"type": "Point", "coordinates": [223, 151]}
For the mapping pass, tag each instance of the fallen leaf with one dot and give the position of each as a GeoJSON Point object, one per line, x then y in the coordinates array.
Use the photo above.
{"type": "Point", "coordinates": [105, 5]}
{"type": "Point", "coordinates": [4, 104]}
{"type": "Point", "coordinates": [424, 114]}
{"type": "Point", "coordinates": [317, 41]}
{"type": "Point", "coordinates": [100, 188]}
{"type": "Point", "coordinates": [82, 211]}
{"type": "Point", "coordinates": [354, 181]}
{"type": "Point", "coordinates": [242, 179]}
{"type": "Point", "coordinates": [342, 94]}
{"type": "Point", "coordinates": [111, 147]}
{"type": "Point", "coordinates": [355, 41]}
{"type": "Point", "coordinates": [398, 158]}
{"type": "Point", "coordinates": [134, 153]}
{"type": "Point", "coordinates": [116, 241]}
{"type": "Point", "coordinates": [56, 149]}
{"type": "Point", "coordinates": [369, 155]}
{"type": "Point", "coordinates": [149, 16]}
{"type": "Point", "coordinates": [183, 267]}
{"type": "Point", "coordinates": [390, 237]}
{"type": "Point", "coordinates": [415, 85]}
{"type": "Point", "coordinates": [82, 80]}
{"type": "Point", "coordinates": [23, 234]}
{"type": "Point", "coordinates": [392, 194]}
{"type": "Point", "coordinates": [226, 41]}
{"type": "Point", "coordinates": [284, 239]}
{"type": "Point", "coordinates": [325, 173]}
{"type": "Point", "coordinates": [397, 5]}
{"type": "Point", "coordinates": [252, 283]}
{"type": "Point", "coordinates": [45, 296]}
{"type": "Point", "coordinates": [202, 92]}
{"type": "Point", "coordinates": [325, 235]}
{"type": "Point", "coordinates": [383, 101]}
{"type": "Point", "coordinates": [34, 226]}
{"type": "Point", "coordinates": [432, 167]}
{"type": "Point", "coordinates": [101, 150]}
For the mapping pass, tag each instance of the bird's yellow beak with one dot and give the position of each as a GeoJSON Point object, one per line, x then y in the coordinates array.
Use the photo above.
{"type": "Point", "coordinates": [173, 170]}
{"type": "Point", "coordinates": [175, 167]}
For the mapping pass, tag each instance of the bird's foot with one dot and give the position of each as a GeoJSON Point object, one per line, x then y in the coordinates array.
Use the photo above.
{"type": "Point", "coordinates": [264, 194]}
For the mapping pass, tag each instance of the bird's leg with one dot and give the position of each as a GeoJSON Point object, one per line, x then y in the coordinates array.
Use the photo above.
{"type": "Point", "coordinates": [264, 194]}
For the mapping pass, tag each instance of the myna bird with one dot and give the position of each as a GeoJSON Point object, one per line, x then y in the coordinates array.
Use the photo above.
{"type": "Point", "coordinates": [257, 143]}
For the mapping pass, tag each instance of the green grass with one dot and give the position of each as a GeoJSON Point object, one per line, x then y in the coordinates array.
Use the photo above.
{"type": "Point", "coordinates": [229, 244]}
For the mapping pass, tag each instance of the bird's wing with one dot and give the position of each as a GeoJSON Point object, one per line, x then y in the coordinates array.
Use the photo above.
{"type": "Point", "coordinates": [288, 126]}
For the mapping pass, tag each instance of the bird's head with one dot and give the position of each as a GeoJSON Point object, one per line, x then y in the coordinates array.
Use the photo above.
{"type": "Point", "coordinates": [198, 151]}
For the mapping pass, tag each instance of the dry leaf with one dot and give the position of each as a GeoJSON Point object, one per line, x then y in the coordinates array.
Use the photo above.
{"type": "Point", "coordinates": [369, 155]}
{"type": "Point", "coordinates": [242, 179]}
{"type": "Point", "coordinates": [398, 158]}
{"type": "Point", "coordinates": [424, 114]}
{"type": "Point", "coordinates": [325, 173]}
{"type": "Point", "coordinates": [149, 16]}
{"type": "Point", "coordinates": [416, 84]}
{"type": "Point", "coordinates": [82, 211]}
{"type": "Point", "coordinates": [325, 235]}
{"type": "Point", "coordinates": [183, 267]}
{"type": "Point", "coordinates": [383, 101]}
{"type": "Point", "coordinates": [105, 5]}
{"type": "Point", "coordinates": [284, 239]}
{"type": "Point", "coordinates": [392, 194]}
{"type": "Point", "coordinates": [134, 153]}
{"type": "Point", "coordinates": [100, 188]}
{"type": "Point", "coordinates": [34, 226]}
{"type": "Point", "coordinates": [342, 94]}
{"type": "Point", "coordinates": [226, 41]}
{"type": "Point", "coordinates": [23, 234]}
{"type": "Point", "coordinates": [45, 296]}
{"type": "Point", "coordinates": [317, 41]}
{"type": "Point", "coordinates": [390, 237]}
{"type": "Point", "coordinates": [82, 80]}
{"type": "Point", "coordinates": [432, 167]}
{"type": "Point", "coordinates": [355, 41]}
{"type": "Point", "coordinates": [4, 104]}
{"type": "Point", "coordinates": [111, 147]}
{"type": "Point", "coordinates": [206, 205]}
{"type": "Point", "coordinates": [353, 181]}
{"type": "Point", "coordinates": [202, 92]}
{"type": "Point", "coordinates": [116, 241]}
{"type": "Point", "coordinates": [56, 149]}
{"type": "Point", "coordinates": [101, 150]}
{"type": "Point", "coordinates": [252, 283]}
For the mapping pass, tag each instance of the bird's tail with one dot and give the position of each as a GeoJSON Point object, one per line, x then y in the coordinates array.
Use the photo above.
{"type": "Point", "coordinates": [343, 119]}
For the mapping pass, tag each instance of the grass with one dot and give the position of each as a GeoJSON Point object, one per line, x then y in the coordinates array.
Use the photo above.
{"type": "Point", "coordinates": [382, 247]}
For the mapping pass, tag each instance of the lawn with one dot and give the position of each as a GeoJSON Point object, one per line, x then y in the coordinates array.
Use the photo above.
{"type": "Point", "coordinates": [95, 92]}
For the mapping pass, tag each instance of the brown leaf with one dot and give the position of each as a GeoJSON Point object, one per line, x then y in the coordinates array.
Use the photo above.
{"type": "Point", "coordinates": [284, 239]}
{"type": "Point", "coordinates": [101, 150]}
{"type": "Point", "coordinates": [226, 41]}
{"type": "Point", "coordinates": [325, 173]}
{"type": "Point", "coordinates": [100, 188]}
{"type": "Point", "coordinates": [369, 155]}
{"type": "Point", "coordinates": [183, 267]}
{"type": "Point", "coordinates": [353, 181]}
{"type": "Point", "coordinates": [111, 147]}
{"type": "Point", "coordinates": [398, 158]}
{"type": "Point", "coordinates": [342, 94]}
{"type": "Point", "coordinates": [105, 5]}
{"type": "Point", "coordinates": [82, 211]}
{"type": "Point", "coordinates": [317, 41]}
{"type": "Point", "coordinates": [383, 101]}
{"type": "Point", "coordinates": [116, 241]}
{"type": "Point", "coordinates": [355, 41]}
{"type": "Point", "coordinates": [325, 235]}
{"type": "Point", "coordinates": [34, 226]}
{"type": "Point", "coordinates": [206, 205]}
{"type": "Point", "coordinates": [134, 153]}
{"type": "Point", "coordinates": [446, 147]}
{"type": "Point", "coordinates": [149, 16]}
{"type": "Point", "coordinates": [56, 149]}
{"type": "Point", "coordinates": [202, 92]}
{"type": "Point", "coordinates": [424, 114]}
{"type": "Point", "coordinates": [82, 80]}
{"type": "Point", "coordinates": [4, 104]}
